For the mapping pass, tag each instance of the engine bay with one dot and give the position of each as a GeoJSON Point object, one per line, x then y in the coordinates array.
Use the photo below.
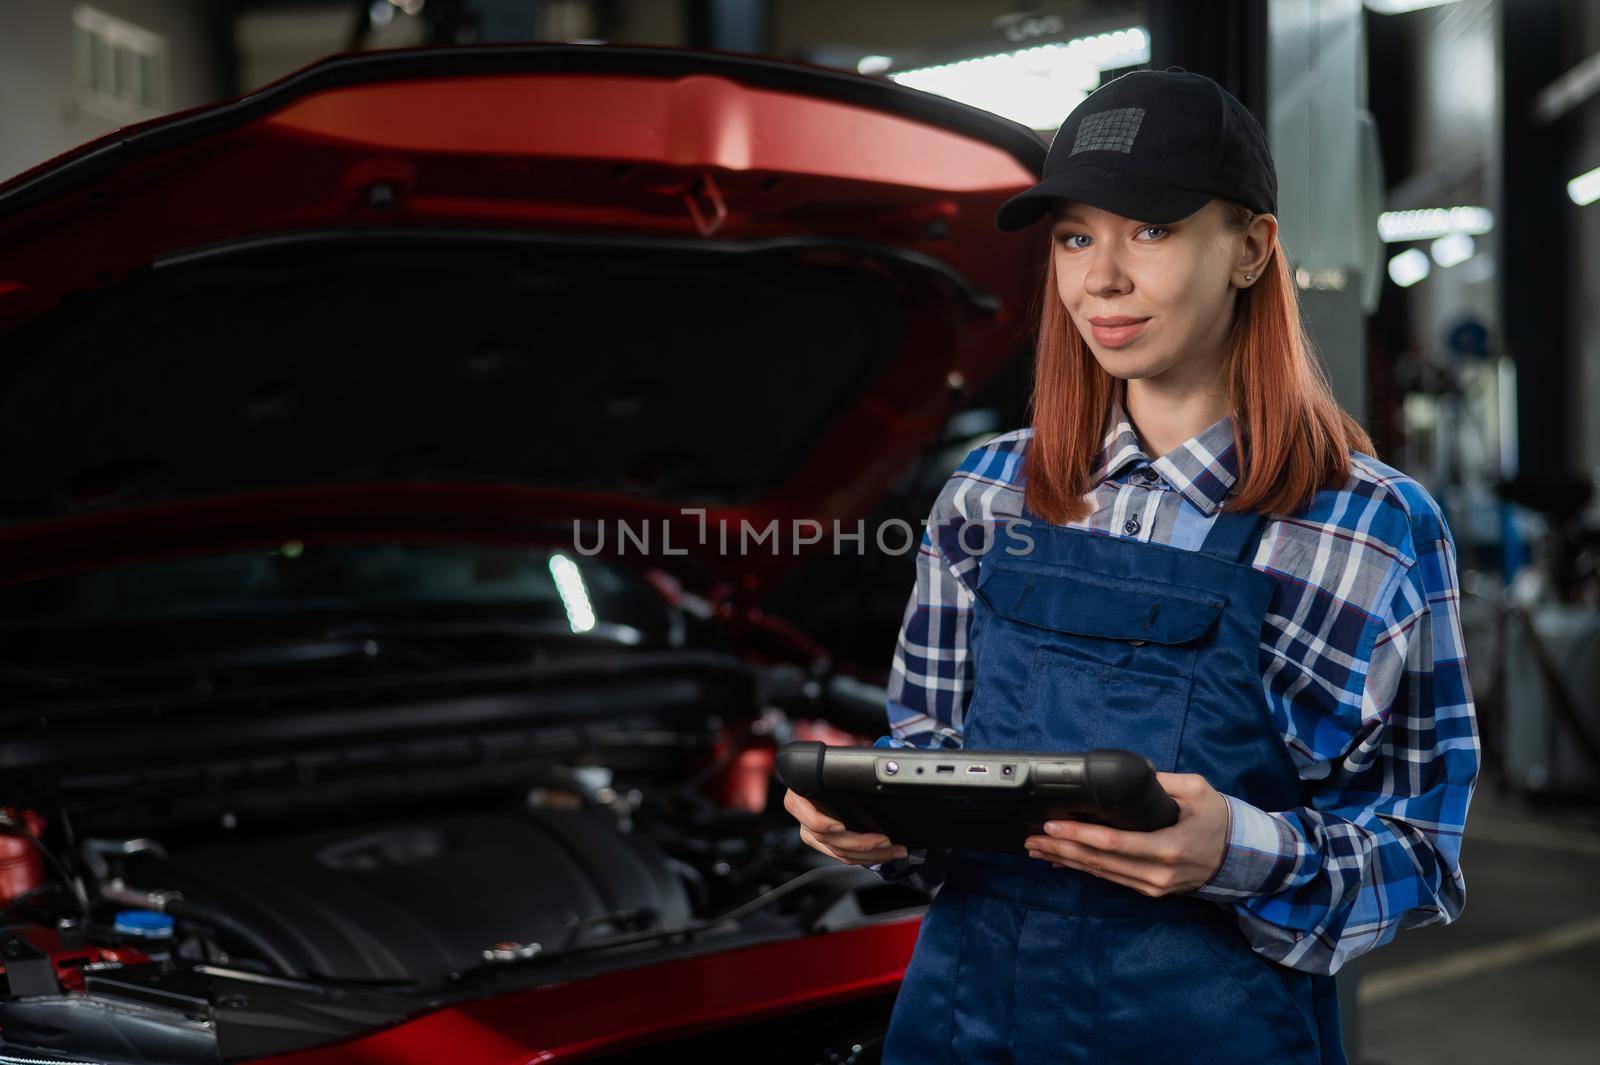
{"type": "Point", "coordinates": [366, 877]}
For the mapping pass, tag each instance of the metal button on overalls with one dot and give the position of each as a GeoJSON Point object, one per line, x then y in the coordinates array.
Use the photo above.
{"type": "Point", "coordinates": [1088, 640]}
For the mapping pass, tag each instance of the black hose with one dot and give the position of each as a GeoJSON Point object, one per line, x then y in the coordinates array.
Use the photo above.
{"type": "Point", "coordinates": [189, 910]}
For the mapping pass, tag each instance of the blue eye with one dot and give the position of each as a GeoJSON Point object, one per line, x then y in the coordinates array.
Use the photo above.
{"type": "Point", "coordinates": [1063, 238]}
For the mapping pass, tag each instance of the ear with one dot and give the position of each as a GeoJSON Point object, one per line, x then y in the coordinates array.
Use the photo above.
{"type": "Point", "coordinates": [1259, 241]}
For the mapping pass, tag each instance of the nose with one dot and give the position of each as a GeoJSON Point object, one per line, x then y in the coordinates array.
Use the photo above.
{"type": "Point", "coordinates": [1105, 274]}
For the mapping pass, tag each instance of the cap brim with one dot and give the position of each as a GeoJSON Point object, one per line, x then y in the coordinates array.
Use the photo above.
{"type": "Point", "coordinates": [1107, 187]}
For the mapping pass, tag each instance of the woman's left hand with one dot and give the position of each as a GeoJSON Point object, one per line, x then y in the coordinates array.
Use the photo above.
{"type": "Point", "coordinates": [1177, 858]}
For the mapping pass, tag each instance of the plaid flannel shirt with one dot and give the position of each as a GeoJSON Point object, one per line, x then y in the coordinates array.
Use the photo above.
{"type": "Point", "coordinates": [1362, 669]}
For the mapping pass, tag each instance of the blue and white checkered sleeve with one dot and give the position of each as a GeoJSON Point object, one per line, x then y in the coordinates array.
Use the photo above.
{"type": "Point", "coordinates": [1379, 848]}
{"type": "Point", "coordinates": [930, 679]}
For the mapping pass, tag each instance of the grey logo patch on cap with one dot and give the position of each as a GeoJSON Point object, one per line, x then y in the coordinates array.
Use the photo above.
{"type": "Point", "coordinates": [1108, 131]}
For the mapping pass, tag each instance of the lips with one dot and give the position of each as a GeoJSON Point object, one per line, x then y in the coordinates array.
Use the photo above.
{"type": "Point", "coordinates": [1115, 331]}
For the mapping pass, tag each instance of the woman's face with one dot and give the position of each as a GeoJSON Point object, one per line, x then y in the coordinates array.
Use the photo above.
{"type": "Point", "coordinates": [1178, 277]}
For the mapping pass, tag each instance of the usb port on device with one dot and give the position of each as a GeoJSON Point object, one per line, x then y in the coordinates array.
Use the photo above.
{"type": "Point", "coordinates": [977, 769]}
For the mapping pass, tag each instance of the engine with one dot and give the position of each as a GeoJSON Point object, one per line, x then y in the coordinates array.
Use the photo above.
{"type": "Point", "coordinates": [416, 899]}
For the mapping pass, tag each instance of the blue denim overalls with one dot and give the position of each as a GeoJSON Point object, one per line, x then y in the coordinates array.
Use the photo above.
{"type": "Point", "coordinates": [1088, 640]}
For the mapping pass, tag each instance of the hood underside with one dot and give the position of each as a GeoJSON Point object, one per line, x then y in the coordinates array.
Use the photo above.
{"type": "Point", "coordinates": [529, 282]}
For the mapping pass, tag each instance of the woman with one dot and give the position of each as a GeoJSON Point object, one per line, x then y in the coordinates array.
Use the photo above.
{"type": "Point", "coordinates": [1221, 577]}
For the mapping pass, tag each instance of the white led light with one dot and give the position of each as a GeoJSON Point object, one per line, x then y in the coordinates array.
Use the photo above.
{"type": "Point", "coordinates": [1585, 188]}
{"type": "Point", "coordinates": [873, 64]}
{"type": "Point", "coordinates": [1431, 222]}
{"type": "Point", "coordinates": [1037, 86]}
{"type": "Point", "coordinates": [1453, 248]}
{"type": "Point", "coordinates": [1409, 267]}
{"type": "Point", "coordinates": [1400, 7]}
{"type": "Point", "coordinates": [574, 594]}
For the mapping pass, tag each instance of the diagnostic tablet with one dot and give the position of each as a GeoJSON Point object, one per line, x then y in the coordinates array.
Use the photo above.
{"type": "Point", "coordinates": [974, 799]}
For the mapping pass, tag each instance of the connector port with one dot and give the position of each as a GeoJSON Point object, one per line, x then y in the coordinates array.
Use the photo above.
{"type": "Point", "coordinates": [976, 769]}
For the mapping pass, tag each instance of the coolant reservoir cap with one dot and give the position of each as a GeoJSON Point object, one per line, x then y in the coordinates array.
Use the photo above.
{"type": "Point", "coordinates": [148, 924]}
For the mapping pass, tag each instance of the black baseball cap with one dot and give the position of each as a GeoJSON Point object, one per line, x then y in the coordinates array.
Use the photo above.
{"type": "Point", "coordinates": [1156, 146]}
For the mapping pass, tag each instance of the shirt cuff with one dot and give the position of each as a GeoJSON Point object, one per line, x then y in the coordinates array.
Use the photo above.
{"type": "Point", "coordinates": [1259, 855]}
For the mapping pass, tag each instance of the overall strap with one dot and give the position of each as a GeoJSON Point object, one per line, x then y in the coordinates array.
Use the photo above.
{"type": "Point", "coordinates": [1235, 537]}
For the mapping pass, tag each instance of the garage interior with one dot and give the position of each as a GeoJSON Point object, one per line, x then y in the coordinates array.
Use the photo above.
{"type": "Point", "coordinates": [1439, 173]}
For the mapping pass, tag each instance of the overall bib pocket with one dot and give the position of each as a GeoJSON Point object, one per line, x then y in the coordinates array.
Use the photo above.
{"type": "Point", "coordinates": [1080, 602]}
{"type": "Point", "coordinates": [1109, 662]}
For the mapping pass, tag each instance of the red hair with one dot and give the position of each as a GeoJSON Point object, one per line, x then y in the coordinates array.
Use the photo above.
{"type": "Point", "coordinates": [1292, 436]}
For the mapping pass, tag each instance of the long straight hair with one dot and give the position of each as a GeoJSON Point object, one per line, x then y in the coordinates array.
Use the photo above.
{"type": "Point", "coordinates": [1293, 438]}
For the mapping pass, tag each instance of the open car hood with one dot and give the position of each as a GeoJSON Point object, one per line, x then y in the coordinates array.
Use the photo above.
{"type": "Point", "coordinates": [478, 293]}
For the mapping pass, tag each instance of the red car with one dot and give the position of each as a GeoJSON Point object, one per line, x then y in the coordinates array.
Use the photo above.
{"type": "Point", "coordinates": [323, 737]}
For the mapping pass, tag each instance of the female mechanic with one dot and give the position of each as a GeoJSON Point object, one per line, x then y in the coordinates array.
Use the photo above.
{"type": "Point", "coordinates": [1221, 577]}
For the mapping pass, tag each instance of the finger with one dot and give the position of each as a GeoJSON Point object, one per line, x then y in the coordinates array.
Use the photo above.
{"type": "Point", "coordinates": [866, 856]}
{"type": "Point", "coordinates": [836, 835]}
{"type": "Point", "coordinates": [804, 811]}
{"type": "Point", "coordinates": [1095, 860]}
{"type": "Point", "coordinates": [1113, 840]}
{"type": "Point", "coordinates": [1186, 789]}
{"type": "Point", "coordinates": [1162, 846]}
{"type": "Point", "coordinates": [880, 851]}
{"type": "Point", "coordinates": [873, 857]}
{"type": "Point", "coordinates": [856, 841]}
{"type": "Point", "coordinates": [813, 842]}
{"type": "Point", "coordinates": [1178, 783]}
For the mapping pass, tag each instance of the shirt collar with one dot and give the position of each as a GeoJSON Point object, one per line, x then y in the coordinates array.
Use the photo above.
{"type": "Point", "coordinates": [1203, 468]}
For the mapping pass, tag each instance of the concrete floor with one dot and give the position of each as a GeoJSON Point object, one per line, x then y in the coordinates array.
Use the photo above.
{"type": "Point", "coordinates": [1517, 977]}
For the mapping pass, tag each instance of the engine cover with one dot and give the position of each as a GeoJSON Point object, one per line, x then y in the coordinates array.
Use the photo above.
{"type": "Point", "coordinates": [424, 897]}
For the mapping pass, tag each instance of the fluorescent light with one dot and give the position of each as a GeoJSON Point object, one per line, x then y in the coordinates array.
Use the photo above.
{"type": "Point", "coordinates": [1430, 222]}
{"type": "Point", "coordinates": [1037, 86]}
{"type": "Point", "coordinates": [574, 594]}
{"type": "Point", "coordinates": [1585, 188]}
{"type": "Point", "coordinates": [1453, 248]}
{"type": "Point", "coordinates": [1409, 267]}
{"type": "Point", "coordinates": [1400, 7]}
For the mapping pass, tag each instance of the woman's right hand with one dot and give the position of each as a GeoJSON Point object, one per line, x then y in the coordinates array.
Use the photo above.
{"type": "Point", "coordinates": [831, 838]}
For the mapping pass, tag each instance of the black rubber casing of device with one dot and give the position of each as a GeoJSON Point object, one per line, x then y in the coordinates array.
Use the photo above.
{"type": "Point", "coordinates": [979, 800]}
